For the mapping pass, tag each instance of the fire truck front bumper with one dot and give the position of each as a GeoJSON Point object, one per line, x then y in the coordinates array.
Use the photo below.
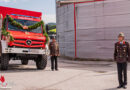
{"type": "Point", "coordinates": [25, 51]}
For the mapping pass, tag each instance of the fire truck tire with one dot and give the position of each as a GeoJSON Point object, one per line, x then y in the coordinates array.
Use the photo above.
{"type": "Point", "coordinates": [24, 62]}
{"type": "Point", "coordinates": [41, 62]}
{"type": "Point", "coordinates": [4, 61]}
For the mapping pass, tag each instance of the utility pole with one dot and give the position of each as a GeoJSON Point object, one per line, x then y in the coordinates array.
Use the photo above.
{"type": "Point", "coordinates": [57, 35]}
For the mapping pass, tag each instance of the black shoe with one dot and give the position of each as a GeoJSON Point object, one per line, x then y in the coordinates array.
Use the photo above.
{"type": "Point", "coordinates": [124, 87]}
{"type": "Point", "coordinates": [119, 86]}
{"type": "Point", "coordinates": [57, 69]}
{"type": "Point", "coordinates": [52, 69]}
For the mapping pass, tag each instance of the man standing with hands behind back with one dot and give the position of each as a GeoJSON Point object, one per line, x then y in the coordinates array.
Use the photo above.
{"type": "Point", "coordinates": [121, 55]}
{"type": "Point", "coordinates": [54, 53]}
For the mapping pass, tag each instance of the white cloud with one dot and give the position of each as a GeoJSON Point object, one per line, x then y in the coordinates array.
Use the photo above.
{"type": "Point", "coordinates": [49, 18]}
{"type": "Point", "coordinates": [4, 0]}
{"type": "Point", "coordinates": [7, 0]}
{"type": "Point", "coordinates": [12, 1]}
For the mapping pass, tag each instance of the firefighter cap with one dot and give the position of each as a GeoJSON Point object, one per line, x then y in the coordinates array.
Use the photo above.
{"type": "Point", "coordinates": [121, 34]}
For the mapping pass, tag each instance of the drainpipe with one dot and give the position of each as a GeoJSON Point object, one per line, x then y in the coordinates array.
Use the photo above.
{"type": "Point", "coordinates": [75, 30]}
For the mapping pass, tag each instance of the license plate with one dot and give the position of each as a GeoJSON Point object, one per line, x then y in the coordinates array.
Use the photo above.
{"type": "Point", "coordinates": [29, 50]}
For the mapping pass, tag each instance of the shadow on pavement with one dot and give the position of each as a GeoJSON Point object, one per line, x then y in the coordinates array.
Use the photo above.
{"type": "Point", "coordinates": [111, 89]}
{"type": "Point", "coordinates": [17, 68]}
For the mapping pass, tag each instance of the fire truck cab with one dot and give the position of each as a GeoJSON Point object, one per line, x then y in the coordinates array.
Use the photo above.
{"type": "Point", "coordinates": [27, 44]}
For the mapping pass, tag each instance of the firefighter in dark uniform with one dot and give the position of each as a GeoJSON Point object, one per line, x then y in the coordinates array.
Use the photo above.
{"type": "Point", "coordinates": [54, 53]}
{"type": "Point", "coordinates": [121, 54]}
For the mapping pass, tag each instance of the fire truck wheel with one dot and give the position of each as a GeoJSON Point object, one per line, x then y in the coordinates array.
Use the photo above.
{"type": "Point", "coordinates": [4, 61]}
{"type": "Point", "coordinates": [24, 61]}
{"type": "Point", "coordinates": [41, 62]}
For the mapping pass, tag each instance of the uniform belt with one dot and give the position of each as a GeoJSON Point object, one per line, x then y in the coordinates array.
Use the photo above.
{"type": "Point", "coordinates": [121, 56]}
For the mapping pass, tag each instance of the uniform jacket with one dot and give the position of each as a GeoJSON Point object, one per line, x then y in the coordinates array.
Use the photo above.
{"type": "Point", "coordinates": [0, 48]}
{"type": "Point", "coordinates": [121, 52]}
{"type": "Point", "coordinates": [54, 48]}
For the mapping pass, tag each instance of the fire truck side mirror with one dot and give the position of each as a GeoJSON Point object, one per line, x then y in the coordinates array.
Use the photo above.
{"type": "Point", "coordinates": [1, 19]}
{"type": "Point", "coordinates": [47, 28]}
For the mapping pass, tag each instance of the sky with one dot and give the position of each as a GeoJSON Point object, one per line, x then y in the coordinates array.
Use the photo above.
{"type": "Point", "coordinates": [47, 7]}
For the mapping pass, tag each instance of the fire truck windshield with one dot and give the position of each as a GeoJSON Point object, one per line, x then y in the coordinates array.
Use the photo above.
{"type": "Point", "coordinates": [26, 23]}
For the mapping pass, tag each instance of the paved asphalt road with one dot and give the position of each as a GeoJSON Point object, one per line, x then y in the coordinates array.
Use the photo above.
{"type": "Point", "coordinates": [72, 75]}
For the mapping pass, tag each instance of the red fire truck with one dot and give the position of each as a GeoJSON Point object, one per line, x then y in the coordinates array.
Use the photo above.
{"type": "Point", "coordinates": [27, 44]}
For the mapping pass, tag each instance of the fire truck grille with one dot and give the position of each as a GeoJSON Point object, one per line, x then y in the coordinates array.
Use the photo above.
{"type": "Point", "coordinates": [26, 39]}
{"type": "Point", "coordinates": [20, 39]}
{"type": "Point", "coordinates": [36, 44]}
{"type": "Point", "coordinates": [37, 40]}
{"type": "Point", "coordinates": [22, 43]}
{"type": "Point", "coordinates": [19, 43]}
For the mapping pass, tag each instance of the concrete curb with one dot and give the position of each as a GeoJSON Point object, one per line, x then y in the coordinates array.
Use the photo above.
{"type": "Point", "coordinates": [86, 59]}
